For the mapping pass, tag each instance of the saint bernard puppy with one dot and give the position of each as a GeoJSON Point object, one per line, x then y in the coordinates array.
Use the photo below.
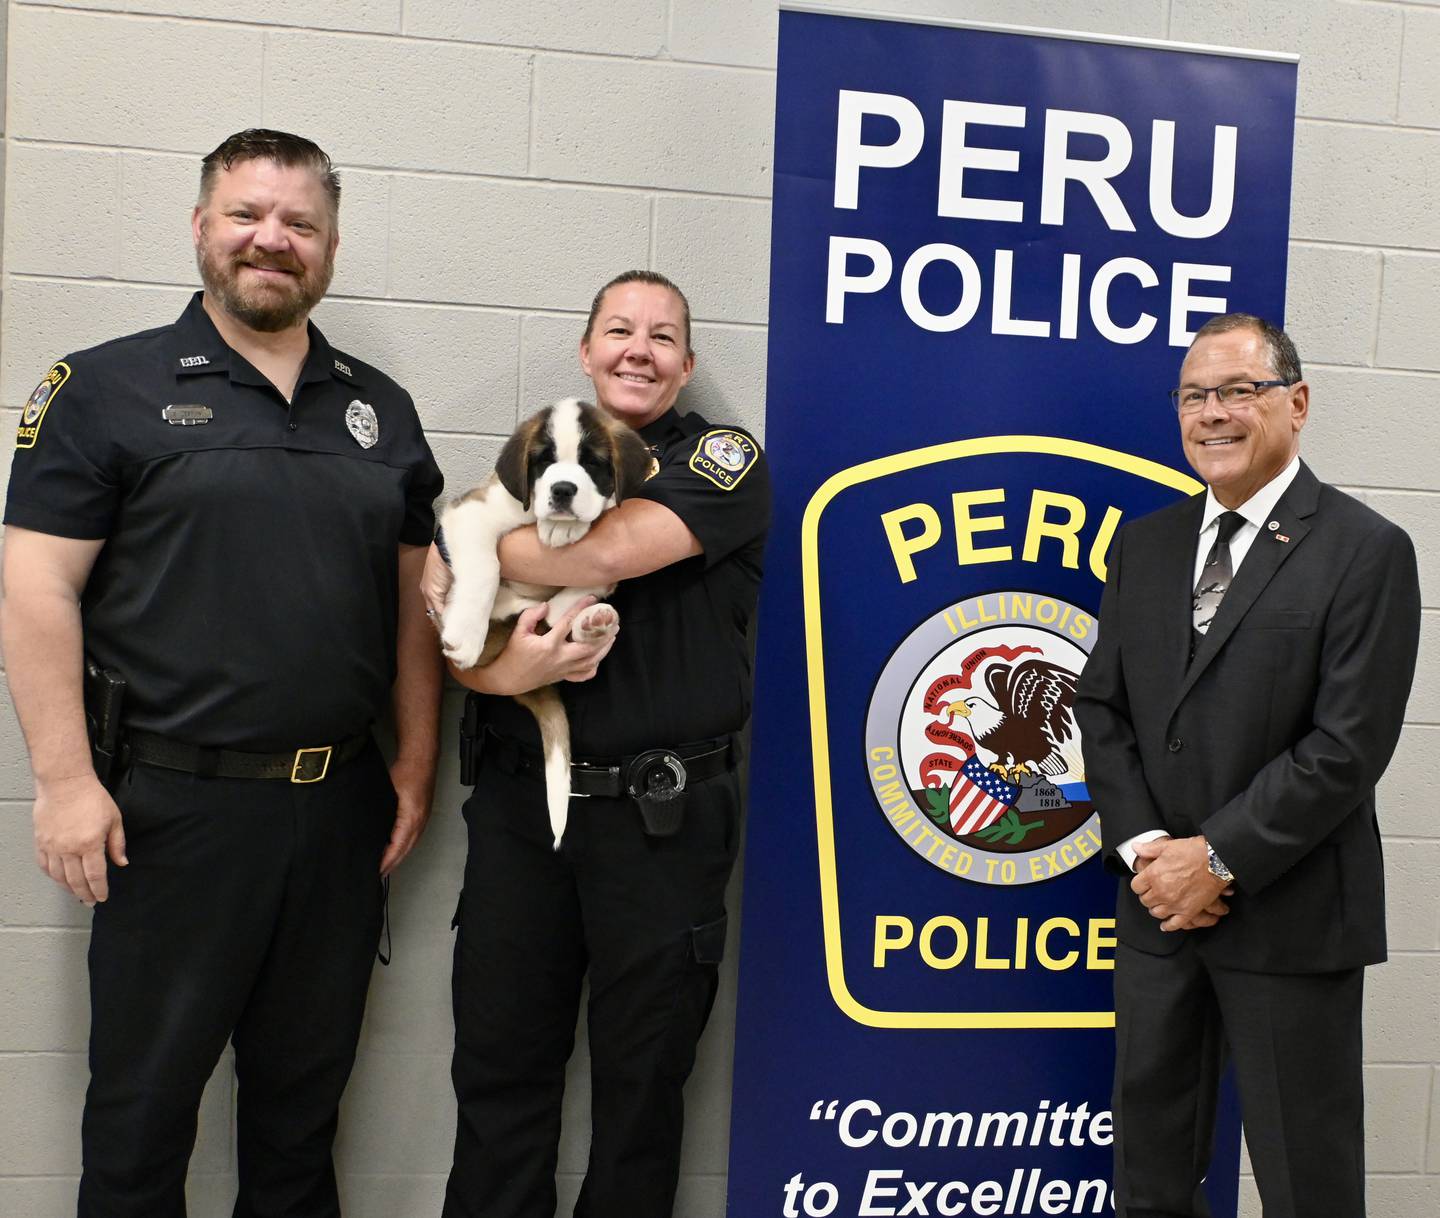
{"type": "Point", "coordinates": [560, 470]}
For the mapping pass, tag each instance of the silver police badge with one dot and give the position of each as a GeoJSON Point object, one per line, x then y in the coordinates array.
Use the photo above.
{"type": "Point", "coordinates": [364, 426]}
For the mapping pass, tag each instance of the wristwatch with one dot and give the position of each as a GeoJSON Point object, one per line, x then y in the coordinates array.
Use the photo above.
{"type": "Point", "coordinates": [1218, 868]}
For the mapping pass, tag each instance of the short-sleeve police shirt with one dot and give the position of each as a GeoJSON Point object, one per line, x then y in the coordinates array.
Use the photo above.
{"type": "Point", "coordinates": [247, 589]}
{"type": "Point", "coordinates": [680, 670]}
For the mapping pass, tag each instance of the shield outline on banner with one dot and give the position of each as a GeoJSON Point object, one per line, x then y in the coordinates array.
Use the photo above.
{"type": "Point", "coordinates": [866, 471]}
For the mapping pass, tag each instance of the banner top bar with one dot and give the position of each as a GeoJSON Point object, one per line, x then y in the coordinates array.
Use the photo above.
{"type": "Point", "coordinates": [1158, 44]}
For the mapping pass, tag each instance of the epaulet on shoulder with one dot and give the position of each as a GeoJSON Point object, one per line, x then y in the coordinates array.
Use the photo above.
{"type": "Point", "coordinates": [699, 426]}
{"type": "Point", "coordinates": [359, 371]}
{"type": "Point", "coordinates": [99, 351]}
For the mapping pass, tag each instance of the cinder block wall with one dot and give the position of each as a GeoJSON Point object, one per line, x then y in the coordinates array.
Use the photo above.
{"type": "Point", "coordinates": [502, 159]}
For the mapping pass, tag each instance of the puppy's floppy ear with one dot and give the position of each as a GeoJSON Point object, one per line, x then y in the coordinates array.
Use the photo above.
{"type": "Point", "coordinates": [632, 461]}
{"type": "Point", "coordinates": [513, 467]}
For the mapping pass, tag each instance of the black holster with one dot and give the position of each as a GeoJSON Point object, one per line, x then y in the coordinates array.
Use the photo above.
{"type": "Point", "coordinates": [472, 741]}
{"type": "Point", "coordinates": [104, 704]}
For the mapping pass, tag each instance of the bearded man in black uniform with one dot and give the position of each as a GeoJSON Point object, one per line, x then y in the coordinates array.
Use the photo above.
{"type": "Point", "coordinates": [231, 515]}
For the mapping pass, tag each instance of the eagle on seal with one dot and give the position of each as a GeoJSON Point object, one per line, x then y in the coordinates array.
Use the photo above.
{"type": "Point", "coordinates": [1029, 723]}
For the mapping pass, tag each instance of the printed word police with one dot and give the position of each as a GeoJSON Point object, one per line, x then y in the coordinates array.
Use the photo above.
{"type": "Point", "coordinates": [860, 265]}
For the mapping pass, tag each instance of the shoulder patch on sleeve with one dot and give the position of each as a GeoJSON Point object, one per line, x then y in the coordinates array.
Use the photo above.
{"type": "Point", "coordinates": [723, 456]}
{"type": "Point", "coordinates": [39, 402]}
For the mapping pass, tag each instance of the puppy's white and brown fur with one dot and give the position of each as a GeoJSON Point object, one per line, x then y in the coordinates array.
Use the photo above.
{"type": "Point", "coordinates": [561, 469]}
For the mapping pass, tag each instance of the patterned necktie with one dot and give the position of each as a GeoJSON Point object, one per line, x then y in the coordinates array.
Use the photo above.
{"type": "Point", "coordinates": [1217, 573]}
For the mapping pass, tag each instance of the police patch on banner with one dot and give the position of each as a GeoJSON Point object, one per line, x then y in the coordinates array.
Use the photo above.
{"type": "Point", "coordinates": [723, 457]}
{"type": "Point", "coordinates": [974, 707]}
{"type": "Point", "coordinates": [364, 426]}
{"type": "Point", "coordinates": [968, 748]}
{"type": "Point", "coordinates": [38, 403]}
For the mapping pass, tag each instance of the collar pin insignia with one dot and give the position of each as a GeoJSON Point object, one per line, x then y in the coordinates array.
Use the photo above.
{"type": "Point", "coordinates": [1273, 525]}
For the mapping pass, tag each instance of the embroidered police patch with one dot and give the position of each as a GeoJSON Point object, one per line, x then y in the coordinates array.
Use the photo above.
{"type": "Point", "coordinates": [723, 457]}
{"type": "Point", "coordinates": [39, 402]}
{"type": "Point", "coordinates": [364, 426]}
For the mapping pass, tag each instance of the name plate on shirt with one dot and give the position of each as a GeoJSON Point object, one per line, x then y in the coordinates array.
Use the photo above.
{"type": "Point", "coordinates": [187, 416]}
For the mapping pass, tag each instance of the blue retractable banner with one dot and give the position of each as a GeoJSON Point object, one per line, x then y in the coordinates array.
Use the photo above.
{"type": "Point", "coordinates": [990, 249]}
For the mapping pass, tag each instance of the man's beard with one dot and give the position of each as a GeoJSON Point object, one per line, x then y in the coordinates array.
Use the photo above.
{"type": "Point", "coordinates": [266, 306]}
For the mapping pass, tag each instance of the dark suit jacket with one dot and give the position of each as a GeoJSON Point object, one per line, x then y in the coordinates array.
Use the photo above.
{"type": "Point", "coordinates": [1271, 740]}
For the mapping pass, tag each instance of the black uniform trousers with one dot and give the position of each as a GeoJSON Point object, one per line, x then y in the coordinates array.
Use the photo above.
{"type": "Point", "coordinates": [1295, 1041]}
{"type": "Point", "coordinates": [646, 917]}
{"type": "Point", "coordinates": [249, 907]}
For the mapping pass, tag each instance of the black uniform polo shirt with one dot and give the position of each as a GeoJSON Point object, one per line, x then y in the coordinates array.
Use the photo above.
{"type": "Point", "coordinates": [680, 670]}
{"type": "Point", "coordinates": [247, 589]}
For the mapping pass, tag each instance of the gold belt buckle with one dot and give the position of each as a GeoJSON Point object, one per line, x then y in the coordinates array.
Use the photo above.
{"type": "Point", "coordinates": [300, 761]}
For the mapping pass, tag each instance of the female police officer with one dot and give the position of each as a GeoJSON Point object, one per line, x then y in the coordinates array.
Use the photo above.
{"type": "Point", "coordinates": [633, 898]}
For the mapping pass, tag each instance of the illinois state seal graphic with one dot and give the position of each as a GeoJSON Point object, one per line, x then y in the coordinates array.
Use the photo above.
{"type": "Point", "coordinates": [971, 742]}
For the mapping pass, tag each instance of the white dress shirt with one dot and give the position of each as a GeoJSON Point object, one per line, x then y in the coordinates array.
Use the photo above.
{"type": "Point", "coordinates": [1256, 511]}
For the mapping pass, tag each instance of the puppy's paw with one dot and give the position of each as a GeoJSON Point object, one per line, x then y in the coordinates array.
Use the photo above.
{"type": "Point", "coordinates": [596, 623]}
{"type": "Point", "coordinates": [463, 637]}
{"type": "Point", "coordinates": [561, 532]}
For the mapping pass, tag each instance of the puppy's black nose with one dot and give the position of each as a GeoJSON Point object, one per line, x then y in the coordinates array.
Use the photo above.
{"type": "Point", "coordinates": [562, 493]}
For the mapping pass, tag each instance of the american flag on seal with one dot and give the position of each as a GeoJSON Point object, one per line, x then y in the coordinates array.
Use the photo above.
{"type": "Point", "coordinates": [979, 797]}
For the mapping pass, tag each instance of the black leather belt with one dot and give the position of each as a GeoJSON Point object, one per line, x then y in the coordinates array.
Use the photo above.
{"type": "Point", "coordinates": [298, 765]}
{"type": "Point", "coordinates": [612, 778]}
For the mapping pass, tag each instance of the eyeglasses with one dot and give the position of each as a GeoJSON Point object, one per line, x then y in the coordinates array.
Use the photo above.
{"type": "Point", "coordinates": [1190, 398]}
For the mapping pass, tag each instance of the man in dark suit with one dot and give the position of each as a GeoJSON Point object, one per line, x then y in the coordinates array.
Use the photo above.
{"type": "Point", "coordinates": [1255, 653]}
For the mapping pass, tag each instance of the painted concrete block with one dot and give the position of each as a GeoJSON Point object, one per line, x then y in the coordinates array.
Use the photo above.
{"type": "Point", "coordinates": [40, 1120]}
{"type": "Point", "coordinates": [63, 218]}
{"type": "Point", "coordinates": [1411, 909]}
{"type": "Point", "coordinates": [1340, 172]}
{"type": "Point", "coordinates": [458, 364]}
{"type": "Point", "coordinates": [652, 124]}
{"type": "Point", "coordinates": [398, 1115]}
{"type": "Point", "coordinates": [592, 26]}
{"type": "Point", "coordinates": [744, 32]}
{"type": "Point", "coordinates": [1397, 1104]}
{"type": "Point", "coordinates": [208, 91]}
{"type": "Point", "coordinates": [718, 251]}
{"type": "Point", "coordinates": [1371, 428]}
{"type": "Point", "coordinates": [378, 16]}
{"type": "Point", "coordinates": [45, 320]}
{"type": "Point", "coordinates": [526, 246]}
{"type": "Point", "coordinates": [474, 101]}
{"type": "Point", "coordinates": [1420, 70]}
{"type": "Point", "coordinates": [1349, 53]}
{"type": "Point", "coordinates": [1410, 791]}
{"type": "Point", "coordinates": [44, 990]}
{"type": "Point", "coordinates": [1401, 997]}
{"type": "Point", "coordinates": [1409, 335]}
{"type": "Point", "coordinates": [1332, 302]}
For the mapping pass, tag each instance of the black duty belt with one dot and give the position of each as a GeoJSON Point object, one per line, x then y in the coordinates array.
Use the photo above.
{"type": "Point", "coordinates": [298, 765]}
{"type": "Point", "coordinates": [613, 778]}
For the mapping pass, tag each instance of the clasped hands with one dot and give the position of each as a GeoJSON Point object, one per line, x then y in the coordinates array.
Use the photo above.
{"type": "Point", "coordinates": [1174, 882]}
